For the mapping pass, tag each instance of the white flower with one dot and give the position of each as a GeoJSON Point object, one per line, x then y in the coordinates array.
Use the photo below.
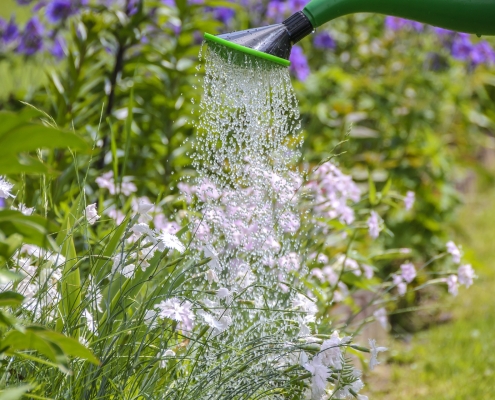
{"type": "Point", "coordinates": [211, 276]}
{"type": "Point", "coordinates": [5, 188]}
{"type": "Point", "coordinates": [90, 322]}
{"type": "Point", "coordinates": [454, 252]}
{"type": "Point", "coordinates": [348, 391]}
{"type": "Point", "coordinates": [107, 181]}
{"type": "Point", "coordinates": [408, 272]}
{"type": "Point", "coordinates": [143, 229]}
{"type": "Point", "coordinates": [118, 266]}
{"type": "Point", "coordinates": [169, 241]}
{"type": "Point", "coordinates": [178, 311]}
{"type": "Point", "coordinates": [409, 200]}
{"type": "Point", "coordinates": [223, 293]}
{"type": "Point", "coordinates": [305, 304]}
{"type": "Point", "coordinates": [374, 225]}
{"type": "Point", "coordinates": [452, 285]}
{"type": "Point", "coordinates": [401, 285]}
{"type": "Point", "coordinates": [381, 316]}
{"type": "Point", "coordinates": [23, 209]}
{"type": "Point", "coordinates": [143, 209]}
{"type": "Point", "coordinates": [465, 275]}
{"type": "Point", "coordinates": [320, 375]}
{"type": "Point", "coordinates": [210, 252]}
{"type": "Point", "coordinates": [374, 353]}
{"type": "Point", "coordinates": [128, 270]}
{"type": "Point", "coordinates": [303, 324]}
{"type": "Point", "coordinates": [219, 325]}
{"type": "Point", "coordinates": [91, 214]}
{"type": "Point", "coordinates": [330, 353]}
{"type": "Point", "coordinates": [166, 354]}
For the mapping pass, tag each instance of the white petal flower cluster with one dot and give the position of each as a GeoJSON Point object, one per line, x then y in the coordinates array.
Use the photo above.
{"type": "Point", "coordinates": [5, 188]}
{"type": "Point", "coordinates": [91, 214]}
{"type": "Point", "coordinates": [374, 350]}
{"type": "Point", "coordinates": [374, 227]}
{"type": "Point", "coordinates": [177, 310]}
{"type": "Point", "coordinates": [409, 200]}
{"type": "Point", "coordinates": [454, 251]}
{"type": "Point", "coordinates": [333, 191]}
{"type": "Point", "coordinates": [23, 209]}
{"type": "Point", "coordinates": [465, 273]}
{"type": "Point", "coordinates": [330, 360]}
{"type": "Point", "coordinates": [40, 284]}
{"type": "Point", "coordinates": [107, 181]}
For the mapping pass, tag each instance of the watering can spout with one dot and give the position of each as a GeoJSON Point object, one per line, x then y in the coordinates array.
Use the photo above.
{"type": "Point", "coordinates": [274, 42]}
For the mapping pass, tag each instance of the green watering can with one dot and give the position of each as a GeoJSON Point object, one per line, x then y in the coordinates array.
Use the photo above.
{"type": "Point", "coordinates": [274, 42]}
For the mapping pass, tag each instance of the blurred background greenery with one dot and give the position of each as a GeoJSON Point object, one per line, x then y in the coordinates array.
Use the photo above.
{"type": "Point", "coordinates": [417, 114]}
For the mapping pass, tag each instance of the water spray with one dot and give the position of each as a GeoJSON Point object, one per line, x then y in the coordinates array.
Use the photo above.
{"type": "Point", "coordinates": [274, 42]}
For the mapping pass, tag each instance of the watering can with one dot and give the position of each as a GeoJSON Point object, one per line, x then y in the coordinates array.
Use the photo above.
{"type": "Point", "coordinates": [274, 42]}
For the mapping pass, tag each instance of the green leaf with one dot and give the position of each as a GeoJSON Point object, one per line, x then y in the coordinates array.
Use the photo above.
{"type": "Point", "coordinates": [387, 187]}
{"type": "Point", "coordinates": [18, 134]}
{"type": "Point", "coordinates": [15, 393]}
{"type": "Point", "coordinates": [69, 346]}
{"type": "Point", "coordinates": [372, 190]}
{"type": "Point", "coordinates": [34, 228]}
{"type": "Point", "coordinates": [11, 299]}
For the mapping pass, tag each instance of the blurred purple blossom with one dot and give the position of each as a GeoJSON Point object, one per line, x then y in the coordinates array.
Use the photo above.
{"type": "Point", "coordinates": [132, 7]}
{"type": "Point", "coordinates": [58, 47]}
{"type": "Point", "coordinates": [32, 38]}
{"type": "Point", "coordinates": [396, 23]}
{"type": "Point", "coordinates": [299, 64]}
{"type": "Point", "coordinates": [58, 10]}
{"type": "Point", "coordinates": [442, 32]}
{"type": "Point", "coordinates": [324, 41]}
{"type": "Point", "coordinates": [223, 14]}
{"type": "Point", "coordinates": [8, 31]}
{"type": "Point", "coordinates": [462, 47]}
{"type": "Point", "coordinates": [296, 5]}
{"type": "Point", "coordinates": [168, 3]}
{"type": "Point", "coordinates": [277, 10]}
{"type": "Point", "coordinates": [483, 53]}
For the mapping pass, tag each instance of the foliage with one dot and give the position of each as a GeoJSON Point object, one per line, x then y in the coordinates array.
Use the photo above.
{"type": "Point", "coordinates": [104, 270]}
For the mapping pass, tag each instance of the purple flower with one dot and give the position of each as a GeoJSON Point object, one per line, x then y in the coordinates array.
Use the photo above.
{"type": "Point", "coordinates": [483, 53]}
{"type": "Point", "coordinates": [31, 39]}
{"type": "Point", "coordinates": [299, 64]}
{"type": "Point", "coordinates": [223, 14]}
{"type": "Point", "coordinates": [132, 7]}
{"type": "Point", "coordinates": [323, 41]}
{"type": "Point", "coordinates": [442, 32]}
{"type": "Point", "coordinates": [58, 47]}
{"type": "Point", "coordinates": [168, 3]}
{"type": "Point", "coordinates": [296, 5]}
{"type": "Point", "coordinates": [58, 10]}
{"type": "Point", "coordinates": [462, 47]}
{"type": "Point", "coordinates": [395, 23]}
{"type": "Point", "coordinates": [277, 10]}
{"type": "Point", "coordinates": [8, 32]}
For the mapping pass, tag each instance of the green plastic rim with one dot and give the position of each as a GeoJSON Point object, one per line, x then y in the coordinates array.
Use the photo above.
{"type": "Point", "coordinates": [247, 50]}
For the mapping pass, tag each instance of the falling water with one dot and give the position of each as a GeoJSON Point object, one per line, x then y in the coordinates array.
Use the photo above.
{"type": "Point", "coordinates": [245, 199]}
{"type": "Point", "coordinates": [245, 155]}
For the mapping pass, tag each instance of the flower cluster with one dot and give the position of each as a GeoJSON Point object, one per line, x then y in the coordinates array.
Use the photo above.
{"type": "Point", "coordinates": [333, 192]}
{"type": "Point", "coordinates": [465, 272]}
{"type": "Point", "coordinates": [460, 44]}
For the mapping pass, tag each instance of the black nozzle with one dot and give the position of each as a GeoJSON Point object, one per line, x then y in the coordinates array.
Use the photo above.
{"type": "Point", "coordinates": [276, 40]}
{"type": "Point", "coordinates": [298, 26]}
